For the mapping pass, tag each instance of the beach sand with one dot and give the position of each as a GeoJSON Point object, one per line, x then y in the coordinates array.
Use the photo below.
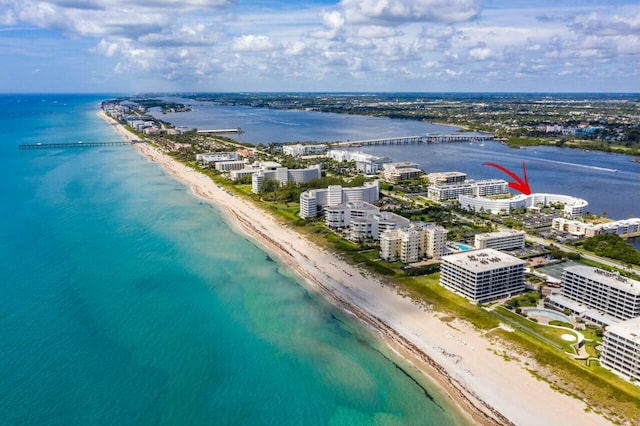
{"type": "Point", "coordinates": [467, 365]}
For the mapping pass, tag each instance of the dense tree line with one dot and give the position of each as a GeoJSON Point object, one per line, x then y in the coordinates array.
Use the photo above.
{"type": "Point", "coordinates": [612, 246]}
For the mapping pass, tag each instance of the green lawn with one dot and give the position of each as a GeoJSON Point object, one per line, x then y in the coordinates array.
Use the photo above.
{"type": "Point", "coordinates": [288, 211]}
{"type": "Point", "coordinates": [590, 333]}
{"type": "Point", "coordinates": [542, 332]}
{"type": "Point", "coordinates": [243, 189]}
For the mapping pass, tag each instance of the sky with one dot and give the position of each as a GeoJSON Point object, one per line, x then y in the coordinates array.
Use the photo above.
{"type": "Point", "coordinates": [132, 46]}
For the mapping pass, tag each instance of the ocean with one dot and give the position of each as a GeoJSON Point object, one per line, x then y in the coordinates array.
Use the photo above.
{"type": "Point", "coordinates": [127, 300]}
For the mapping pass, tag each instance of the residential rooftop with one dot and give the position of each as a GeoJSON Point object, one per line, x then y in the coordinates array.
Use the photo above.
{"type": "Point", "coordinates": [609, 278]}
{"type": "Point", "coordinates": [629, 329]}
{"type": "Point", "coordinates": [483, 260]}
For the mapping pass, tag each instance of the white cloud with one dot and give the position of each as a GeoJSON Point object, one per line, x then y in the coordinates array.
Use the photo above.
{"type": "Point", "coordinates": [186, 35]}
{"type": "Point", "coordinates": [369, 41]}
{"type": "Point", "coordinates": [439, 37]}
{"type": "Point", "coordinates": [333, 19]}
{"type": "Point", "coordinates": [375, 31]}
{"type": "Point", "coordinates": [596, 24]}
{"type": "Point", "coordinates": [252, 43]}
{"type": "Point", "coordinates": [480, 53]}
{"type": "Point", "coordinates": [7, 17]}
{"type": "Point", "coordinates": [393, 12]}
{"type": "Point", "coordinates": [296, 48]}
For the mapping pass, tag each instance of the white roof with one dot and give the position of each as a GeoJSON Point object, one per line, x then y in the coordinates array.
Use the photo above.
{"type": "Point", "coordinates": [507, 233]}
{"type": "Point", "coordinates": [629, 329]}
{"type": "Point", "coordinates": [608, 278]}
{"type": "Point", "coordinates": [482, 260]}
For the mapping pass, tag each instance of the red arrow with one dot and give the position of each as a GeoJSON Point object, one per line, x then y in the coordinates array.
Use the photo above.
{"type": "Point", "coordinates": [519, 185]}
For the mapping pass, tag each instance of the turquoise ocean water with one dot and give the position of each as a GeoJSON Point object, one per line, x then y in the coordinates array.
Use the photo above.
{"type": "Point", "coordinates": [126, 300]}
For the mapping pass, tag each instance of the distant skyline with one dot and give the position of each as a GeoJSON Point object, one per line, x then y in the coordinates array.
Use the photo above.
{"type": "Point", "coordinates": [349, 46]}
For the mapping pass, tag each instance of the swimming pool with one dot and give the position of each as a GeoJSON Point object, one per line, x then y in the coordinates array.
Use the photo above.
{"type": "Point", "coordinates": [548, 313]}
{"type": "Point", "coordinates": [463, 247]}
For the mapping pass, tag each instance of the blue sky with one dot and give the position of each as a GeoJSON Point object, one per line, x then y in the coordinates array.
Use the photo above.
{"type": "Point", "coordinates": [347, 45]}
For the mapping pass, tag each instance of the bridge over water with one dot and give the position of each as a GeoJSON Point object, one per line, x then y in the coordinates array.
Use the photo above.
{"type": "Point", "coordinates": [219, 131]}
{"type": "Point", "coordinates": [410, 140]}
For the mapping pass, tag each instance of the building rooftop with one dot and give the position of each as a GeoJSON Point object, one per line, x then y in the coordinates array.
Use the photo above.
{"type": "Point", "coordinates": [355, 205]}
{"type": "Point", "coordinates": [269, 165]}
{"type": "Point", "coordinates": [469, 183]}
{"type": "Point", "coordinates": [403, 165]}
{"type": "Point", "coordinates": [388, 217]}
{"type": "Point", "coordinates": [507, 233]}
{"type": "Point", "coordinates": [629, 329]}
{"type": "Point", "coordinates": [609, 278]}
{"type": "Point", "coordinates": [447, 174]}
{"type": "Point", "coordinates": [482, 260]}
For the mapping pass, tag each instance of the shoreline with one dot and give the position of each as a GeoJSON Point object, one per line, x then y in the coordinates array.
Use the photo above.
{"type": "Point", "coordinates": [468, 368]}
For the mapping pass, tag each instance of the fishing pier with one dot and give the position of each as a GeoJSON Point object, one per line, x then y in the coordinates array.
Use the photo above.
{"type": "Point", "coordinates": [78, 144]}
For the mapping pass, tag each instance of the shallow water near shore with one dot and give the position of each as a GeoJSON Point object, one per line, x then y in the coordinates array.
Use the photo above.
{"type": "Point", "coordinates": [127, 300]}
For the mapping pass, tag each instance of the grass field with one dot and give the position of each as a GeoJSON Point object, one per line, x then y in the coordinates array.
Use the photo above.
{"type": "Point", "coordinates": [542, 332]}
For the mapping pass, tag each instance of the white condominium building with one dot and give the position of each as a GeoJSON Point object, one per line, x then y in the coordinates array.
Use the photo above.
{"type": "Point", "coordinates": [344, 155]}
{"type": "Point", "coordinates": [299, 149]}
{"type": "Point", "coordinates": [436, 240]}
{"type": "Point", "coordinates": [390, 243]}
{"type": "Point", "coordinates": [239, 174]}
{"type": "Point", "coordinates": [214, 157]}
{"type": "Point", "coordinates": [482, 275]}
{"type": "Point", "coordinates": [254, 168]}
{"type": "Point", "coordinates": [284, 175]}
{"type": "Point", "coordinates": [624, 228]}
{"type": "Point", "coordinates": [371, 227]}
{"type": "Point", "coordinates": [410, 244]}
{"type": "Point", "coordinates": [365, 163]}
{"type": "Point", "coordinates": [227, 166]}
{"type": "Point", "coordinates": [305, 175]}
{"type": "Point", "coordinates": [476, 188]}
{"type": "Point", "coordinates": [404, 170]}
{"type": "Point", "coordinates": [572, 206]}
{"type": "Point", "coordinates": [443, 178]}
{"type": "Point", "coordinates": [504, 240]}
{"type": "Point", "coordinates": [314, 199]}
{"type": "Point", "coordinates": [400, 244]}
{"type": "Point", "coordinates": [340, 216]}
{"type": "Point", "coordinates": [586, 288]}
{"type": "Point", "coordinates": [621, 349]}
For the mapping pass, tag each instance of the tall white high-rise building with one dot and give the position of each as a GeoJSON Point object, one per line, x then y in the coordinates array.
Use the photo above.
{"type": "Point", "coordinates": [435, 241]}
{"type": "Point", "coordinates": [336, 194]}
{"type": "Point", "coordinates": [284, 175]}
{"type": "Point", "coordinates": [621, 349]}
{"type": "Point", "coordinates": [598, 296]}
{"type": "Point", "coordinates": [483, 275]}
{"type": "Point", "coordinates": [416, 241]}
{"type": "Point", "coordinates": [503, 240]}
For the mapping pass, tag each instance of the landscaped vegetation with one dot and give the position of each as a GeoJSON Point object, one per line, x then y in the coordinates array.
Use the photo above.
{"type": "Point", "coordinates": [612, 246]}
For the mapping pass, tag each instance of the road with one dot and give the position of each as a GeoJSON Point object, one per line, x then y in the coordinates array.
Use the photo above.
{"type": "Point", "coordinates": [588, 256]}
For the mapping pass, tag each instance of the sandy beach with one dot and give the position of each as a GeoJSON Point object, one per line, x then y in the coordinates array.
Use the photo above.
{"type": "Point", "coordinates": [467, 365]}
